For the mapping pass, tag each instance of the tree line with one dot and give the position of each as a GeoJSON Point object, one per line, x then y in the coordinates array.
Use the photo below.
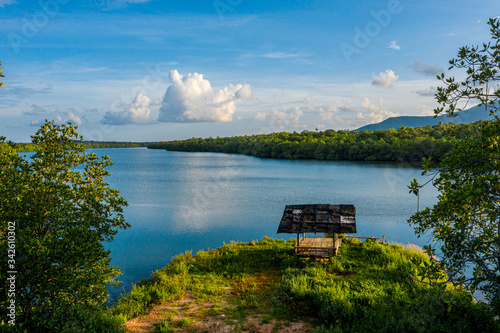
{"type": "Point", "coordinates": [29, 147]}
{"type": "Point", "coordinates": [404, 144]}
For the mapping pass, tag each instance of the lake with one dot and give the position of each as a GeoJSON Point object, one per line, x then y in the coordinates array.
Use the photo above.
{"type": "Point", "coordinates": [197, 201]}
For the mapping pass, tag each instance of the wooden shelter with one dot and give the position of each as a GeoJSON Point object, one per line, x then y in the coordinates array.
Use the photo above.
{"type": "Point", "coordinates": [322, 218]}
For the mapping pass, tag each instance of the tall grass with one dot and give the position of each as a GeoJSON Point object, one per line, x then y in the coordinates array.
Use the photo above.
{"type": "Point", "coordinates": [367, 288]}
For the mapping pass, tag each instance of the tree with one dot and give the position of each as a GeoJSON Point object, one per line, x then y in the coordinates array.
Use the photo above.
{"type": "Point", "coordinates": [482, 64]}
{"type": "Point", "coordinates": [1, 75]}
{"type": "Point", "coordinates": [58, 210]}
{"type": "Point", "coordinates": [465, 223]}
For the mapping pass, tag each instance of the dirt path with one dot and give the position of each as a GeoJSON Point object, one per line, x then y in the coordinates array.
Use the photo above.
{"type": "Point", "coordinates": [195, 315]}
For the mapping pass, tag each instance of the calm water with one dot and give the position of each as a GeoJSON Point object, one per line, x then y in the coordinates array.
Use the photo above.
{"type": "Point", "coordinates": [196, 201]}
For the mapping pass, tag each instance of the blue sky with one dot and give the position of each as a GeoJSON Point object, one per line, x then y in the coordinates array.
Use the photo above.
{"type": "Point", "coordinates": [142, 70]}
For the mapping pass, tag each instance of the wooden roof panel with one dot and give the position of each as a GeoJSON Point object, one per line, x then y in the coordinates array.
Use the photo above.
{"type": "Point", "coordinates": [322, 218]}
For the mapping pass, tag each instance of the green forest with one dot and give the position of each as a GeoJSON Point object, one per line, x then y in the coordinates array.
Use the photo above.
{"type": "Point", "coordinates": [28, 147]}
{"type": "Point", "coordinates": [404, 144]}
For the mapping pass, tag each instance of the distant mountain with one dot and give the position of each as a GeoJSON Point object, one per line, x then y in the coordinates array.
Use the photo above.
{"type": "Point", "coordinates": [467, 116]}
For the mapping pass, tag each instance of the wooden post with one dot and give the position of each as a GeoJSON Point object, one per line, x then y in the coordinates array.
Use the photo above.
{"type": "Point", "coordinates": [335, 243]}
{"type": "Point", "coordinates": [298, 239]}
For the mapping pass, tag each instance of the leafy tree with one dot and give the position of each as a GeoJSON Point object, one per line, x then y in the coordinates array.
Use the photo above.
{"type": "Point", "coordinates": [482, 64]}
{"type": "Point", "coordinates": [1, 75]}
{"type": "Point", "coordinates": [62, 211]}
{"type": "Point", "coordinates": [465, 223]}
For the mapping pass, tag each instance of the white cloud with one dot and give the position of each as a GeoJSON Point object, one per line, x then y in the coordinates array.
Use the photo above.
{"type": "Point", "coordinates": [425, 110]}
{"type": "Point", "coordinates": [137, 112]}
{"type": "Point", "coordinates": [341, 107]}
{"type": "Point", "coordinates": [385, 79]}
{"type": "Point", "coordinates": [281, 119]}
{"type": "Point", "coordinates": [308, 102]}
{"type": "Point", "coordinates": [58, 120]}
{"type": "Point", "coordinates": [431, 91]}
{"type": "Point", "coordinates": [331, 113]}
{"type": "Point", "coordinates": [376, 112]}
{"type": "Point", "coordinates": [73, 118]}
{"type": "Point", "coordinates": [326, 114]}
{"type": "Point", "coordinates": [192, 99]}
{"type": "Point", "coordinates": [261, 116]}
{"type": "Point", "coordinates": [7, 2]}
{"type": "Point", "coordinates": [69, 115]}
{"type": "Point", "coordinates": [431, 70]}
{"type": "Point", "coordinates": [393, 45]}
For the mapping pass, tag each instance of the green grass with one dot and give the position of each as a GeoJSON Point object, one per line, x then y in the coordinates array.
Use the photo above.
{"type": "Point", "coordinates": [368, 287]}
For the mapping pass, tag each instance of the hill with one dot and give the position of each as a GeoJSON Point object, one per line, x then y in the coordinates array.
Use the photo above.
{"type": "Point", "coordinates": [262, 287]}
{"type": "Point", "coordinates": [463, 117]}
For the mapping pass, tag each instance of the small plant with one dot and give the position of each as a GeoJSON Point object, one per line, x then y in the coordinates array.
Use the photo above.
{"type": "Point", "coordinates": [164, 327]}
{"type": "Point", "coordinates": [266, 319]}
{"type": "Point", "coordinates": [183, 323]}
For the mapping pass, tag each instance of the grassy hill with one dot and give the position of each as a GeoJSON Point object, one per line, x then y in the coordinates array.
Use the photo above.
{"type": "Point", "coordinates": [262, 287]}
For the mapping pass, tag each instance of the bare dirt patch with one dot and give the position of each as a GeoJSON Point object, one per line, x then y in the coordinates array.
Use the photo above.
{"type": "Point", "coordinates": [214, 315]}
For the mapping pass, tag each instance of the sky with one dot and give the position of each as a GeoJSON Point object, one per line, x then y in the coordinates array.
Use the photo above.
{"type": "Point", "coordinates": [155, 70]}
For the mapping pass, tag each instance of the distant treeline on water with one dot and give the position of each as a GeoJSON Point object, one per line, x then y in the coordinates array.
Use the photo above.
{"type": "Point", "coordinates": [27, 147]}
{"type": "Point", "coordinates": [404, 144]}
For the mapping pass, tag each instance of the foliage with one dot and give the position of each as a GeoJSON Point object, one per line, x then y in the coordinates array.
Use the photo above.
{"type": "Point", "coordinates": [404, 144]}
{"type": "Point", "coordinates": [465, 223]}
{"type": "Point", "coordinates": [482, 64]}
{"type": "Point", "coordinates": [60, 211]}
{"type": "Point", "coordinates": [466, 219]}
{"type": "Point", "coordinates": [1, 75]}
{"type": "Point", "coordinates": [367, 288]}
{"type": "Point", "coordinates": [29, 147]}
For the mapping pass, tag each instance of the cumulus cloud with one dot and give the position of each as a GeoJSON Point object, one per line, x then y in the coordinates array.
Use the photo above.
{"type": "Point", "coordinates": [393, 45]}
{"type": "Point", "coordinates": [73, 118]}
{"type": "Point", "coordinates": [431, 91]}
{"type": "Point", "coordinates": [431, 70]}
{"type": "Point", "coordinates": [376, 112]}
{"type": "Point", "coordinates": [137, 112]}
{"type": "Point", "coordinates": [384, 79]}
{"type": "Point", "coordinates": [69, 117]}
{"type": "Point", "coordinates": [281, 119]}
{"type": "Point", "coordinates": [192, 99]}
